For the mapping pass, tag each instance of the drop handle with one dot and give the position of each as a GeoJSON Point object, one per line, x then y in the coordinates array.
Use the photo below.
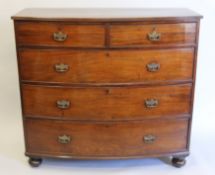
{"type": "Point", "coordinates": [153, 67]}
{"type": "Point", "coordinates": [64, 139]}
{"type": "Point", "coordinates": [151, 103]}
{"type": "Point", "coordinates": [149, 139]}
{"type": "Point", "coordinates": [61, 68]}
{"type": "Point", "coordinates": [63, 104]}
{"type": "Point", "coordinates": [154, 35]}
{"type": "Point", "coordinates": [60, 36]}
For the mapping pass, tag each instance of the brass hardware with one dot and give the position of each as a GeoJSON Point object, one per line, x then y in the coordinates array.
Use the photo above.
{"type": "Point", "coordinates": [59, 36]}
{"type": "Point", "coordinates": [154, 36]}
{"type": "Point", "coordinates": [61, 68]}
{"type": "Point", "coordinates": [149, 138]}
{"type": "Point", "coordinates": [64, 139]}
{"type": "Point", "coordinates": [151, 103]}
{"type": "Point", "coordinates": [63, 104]}
{"type": "Point", "coordinates": [153, 67]}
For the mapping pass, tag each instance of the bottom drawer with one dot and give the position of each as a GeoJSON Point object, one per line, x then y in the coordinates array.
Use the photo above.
{"type": "Point", "coordinates": [117, 139]}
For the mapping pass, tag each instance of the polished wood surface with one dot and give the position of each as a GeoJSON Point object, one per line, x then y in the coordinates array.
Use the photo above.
{"type": "Point", "coordinates": [105, 14]}
{"type": "Point", "coordinates": [121, 139]}
{"type": "Point", "coordinates": [41, 34]}
{"type": "Point", "coordinates": [95, 82]}
{"type": "Point", "coordinates": [137, 35]}
{"type": "Point", "coordinates": [106, 103]}
{"type": "Point", "coordinates": [106, 66]}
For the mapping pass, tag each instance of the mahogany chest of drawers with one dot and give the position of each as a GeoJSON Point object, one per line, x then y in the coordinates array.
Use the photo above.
{"type": "Point", "coordinates": [107, 83]}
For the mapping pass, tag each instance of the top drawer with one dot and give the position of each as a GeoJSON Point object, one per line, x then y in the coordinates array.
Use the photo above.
{"type": "Point", "coordinates": [59, 34]}
{"type": "Point", "coordinates": [152, 35]}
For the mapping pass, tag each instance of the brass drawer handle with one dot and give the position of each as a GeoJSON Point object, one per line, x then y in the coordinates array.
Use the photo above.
{"type": "Point", "coordinates": [153, 67]}
{"type": "Point", "coordinates": [63, 104]}
{"type": "Point", "coordinates": [64, 139]}
{"type": "Point", "coordinates": [60, 36]}
{"type": "Point", "coordinates": [151, 103]}
{"type": "Point", "coordinates": [149, 138]}
{"type": "Point", "coordinates": [60, 68]}
{"type": "Point", "coordinates": [154, 36]}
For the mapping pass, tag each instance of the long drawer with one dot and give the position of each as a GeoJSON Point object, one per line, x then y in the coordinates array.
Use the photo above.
{"type": "Point", "coordinates": [120, 139]}
{"type": "Point", "coordinates": [103, 103]}
{"type": "Point", "coordinates": [59, 34]}
{"type": "Point", "coordinates": [122, 66]}
{"type": "Point", "coordinates": [152, 35]}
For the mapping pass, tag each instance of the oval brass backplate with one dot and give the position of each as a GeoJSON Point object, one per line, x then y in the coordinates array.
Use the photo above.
{"type": "Point", "coordinates": [64, 139]}
{"type": "Point", "coordinates": [153, 67]}
{"type": "Point", "coordinates": [149, 138]}
{"type": "Point", "coordinates": [61, 68]}
{"type": "Point", "coordinates": [154, 35]}
{"type": "Point", "coordinates": [60, 36]}
{"type": "Point", "coordinates": [63, 104]}
{"type": "Point", "coordinates": [151, 103]}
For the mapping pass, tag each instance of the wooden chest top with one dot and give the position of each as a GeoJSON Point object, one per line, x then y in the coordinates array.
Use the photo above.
{"type": "Point", "coordinates": [105, 14]}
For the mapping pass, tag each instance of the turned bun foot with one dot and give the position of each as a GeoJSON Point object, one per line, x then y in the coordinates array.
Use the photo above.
{"type": "Point", "coordinates": [178, 162]}
{"type": "Point", "coordinates": [35, 162]}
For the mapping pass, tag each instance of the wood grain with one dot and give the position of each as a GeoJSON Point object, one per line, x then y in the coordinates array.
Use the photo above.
{"type": "Point", "coordinates": [103, 104]}
{"type": "Point", "coordinates": [41, 34]}
{"type": "Point", "coordinates": [106, 66]}
{"type": "Point", "coordinates": [137, 35]}
{"type": "Point", "coordinates": [106, 139]}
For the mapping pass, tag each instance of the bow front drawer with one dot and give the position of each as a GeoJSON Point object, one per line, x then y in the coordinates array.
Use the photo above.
{"type": "Point", "coordinates": [92, 140]}
{"type": "Point", "coordinates": [134, 66]}
{"type": "Point", "coordinates": [152, 35]}
{"type": "Point", "coordinates": [59, 34]}
{"type": "Point", "coordinates": [106, 103]}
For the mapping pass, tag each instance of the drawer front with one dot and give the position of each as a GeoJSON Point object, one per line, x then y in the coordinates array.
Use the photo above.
{"type": "Point", "coordinates": [63, 66]}
{"type": "Point", "coordinates": [113, 103]}
{"type": "Point", "coordinates": [152, 35]}
{"type": "Point", "coordinates": [106, 139]}
{"type": "Point", "coordinates": [59, 34]}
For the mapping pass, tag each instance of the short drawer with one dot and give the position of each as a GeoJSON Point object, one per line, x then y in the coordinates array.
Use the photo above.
{"type": "Point", "coordinates": [105, 103]}
{"type": "Point", "coordinates": [152, 35]}
{"type": "Point", "coordinates": [58, 138]}
{"type": "Point", "coordinates": [59, 34]}
{"type": "Point", "coordinates": [134, 66]}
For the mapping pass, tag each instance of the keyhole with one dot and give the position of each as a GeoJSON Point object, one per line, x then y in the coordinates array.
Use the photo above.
{"type": "Point", "coordinates": [108, 91]}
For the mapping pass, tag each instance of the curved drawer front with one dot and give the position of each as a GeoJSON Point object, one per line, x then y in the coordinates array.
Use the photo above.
{"type": "Point", "coordinates": [152, 35]}
{"type": "Point", "coordinates": [59, 34]}
{"type": "Point", "coordinates": [126, 103]}
{"type": "Point", "coordinates": [58, 138]}
{"type": "Point", "coordinates": [134, 66]}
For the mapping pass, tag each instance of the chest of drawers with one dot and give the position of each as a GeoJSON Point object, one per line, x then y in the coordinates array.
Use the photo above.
{"type": "Point", "coordinates": [107, 83]}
